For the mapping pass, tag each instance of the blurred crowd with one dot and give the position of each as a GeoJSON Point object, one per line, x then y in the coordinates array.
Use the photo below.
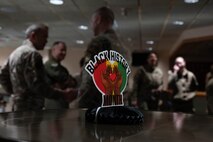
{"type": "Point", "coordinates": [34, 85]}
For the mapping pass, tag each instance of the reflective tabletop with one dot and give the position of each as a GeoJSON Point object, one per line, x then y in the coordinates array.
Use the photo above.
{"type": "Point", "coordinates": [69, 125]}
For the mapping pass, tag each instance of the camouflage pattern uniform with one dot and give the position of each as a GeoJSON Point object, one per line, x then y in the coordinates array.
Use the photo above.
{"type": "Point", "coordinates": [183, 87]}
{"type": "Point", "coordinates": [28, 79]}
{"type": "Point", "coordinates": [91, 97]}
{"type": "Point", "coordinates": [58, 77]}
{"type": "Point", "coordinates": [116, 45]}
{"type": "Point", "coordinates": [145, 82]}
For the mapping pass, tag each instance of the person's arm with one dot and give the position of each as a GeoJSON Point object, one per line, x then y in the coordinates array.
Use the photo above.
{"type": "Point", "coordinates": [160, 81]}
{"type": "Point", "coordinates": [90, 96]}
{"type": "Point", "coordinates": [171, 79]}
{"type": "Point", "coordinates": [5, 78]}
{"type": "Point", "coordinates": [35, 78]}
{"type": "Point", "coordinates": [59, 75]}
{"type": "Point", "coordinates": [136, 83]}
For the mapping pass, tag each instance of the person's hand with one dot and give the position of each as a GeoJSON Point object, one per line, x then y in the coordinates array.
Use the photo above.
{"type": "Point", "coordinates": [70, 94]}
{"type": "Point", "coordinates": [70, 82]}
{"type": "Point", "coordinates": [188, 96]}
{"type": "Point", "coordinates": [176, 68]}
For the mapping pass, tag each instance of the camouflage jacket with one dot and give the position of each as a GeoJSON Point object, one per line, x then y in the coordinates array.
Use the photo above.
{"type": "Point", "coordinates": [183, 85]}
{"type": "Point", "coordinates": [145, 82]}
{"type": "Point", "coordinates": [117, 45]}
{"type": "Point", "coordinates": [59, 75]}
{"type": "Point", "coordinates": [28, 78]}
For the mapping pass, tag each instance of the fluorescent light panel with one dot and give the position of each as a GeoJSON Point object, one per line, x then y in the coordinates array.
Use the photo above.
{"type": "Point", "coordinates": [79, 41]}
{"type": "Point", "coordinates": [191, 1]}
{"type": "Point", "coordinates": [82, 27]}
{"type": "Point", "coordinates": [150, 42]}
{"type": "Point", "coordinates": [180, 23]}
{"type": "Point", "coordinates": [56, 2]}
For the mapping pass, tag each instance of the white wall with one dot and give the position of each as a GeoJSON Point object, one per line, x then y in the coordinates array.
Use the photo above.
{"type": "Point", "coordinates": [4, 54]}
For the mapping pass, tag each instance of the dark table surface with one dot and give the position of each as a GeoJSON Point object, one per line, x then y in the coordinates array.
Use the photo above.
{"type": "Point", "coordinates": [70, 125]}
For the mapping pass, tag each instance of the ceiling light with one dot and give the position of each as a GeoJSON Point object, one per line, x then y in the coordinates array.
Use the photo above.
{"type": "Point", "coordinates": [82, 27]}
{"type": "Point", "coordinates": [56, 2]}
{"type": "Point", "coordinates": [191, 1]}
{"type": "Point", "coordinates": [150, 42]}
{"type": "Point", "coordinates": [79, 41]}
{"type": "Point", "coordinates": [180, 23]}
{"type": "Point", "coordinates": [150, 48]}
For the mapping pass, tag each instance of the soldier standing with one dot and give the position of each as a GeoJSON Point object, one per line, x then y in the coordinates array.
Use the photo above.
{"type": "Point", "coordinates": [148, 82]}
{"type": "Point", "coordinates": [58, 75]}
{"type": "Point", "coordinates": [27, 74]}
{"type": "Point", "coordinates": [183, 85]}
{"type": "Point", "coordinates": [105, 39]}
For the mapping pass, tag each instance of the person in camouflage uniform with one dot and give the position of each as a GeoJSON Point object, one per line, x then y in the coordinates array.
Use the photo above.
{"type": "Point", "coordinates": [147, 83]}
{"type": "Point", "coordinates": [183, 85]}
{"type": "Point", "coordinates": [58, 75]}
{"type": "Point", "coordinates": [102, 25]}
{"type": "Point", "coordinates": [27, 73]}
{"type": "Point", "coordinates": [105, 39]}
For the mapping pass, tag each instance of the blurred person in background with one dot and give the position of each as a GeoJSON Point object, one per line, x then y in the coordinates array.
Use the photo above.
{"type": "Point", "coordinates": [102, 22]}
{"type": "Point", "coordinates": [183, 84]}
{"type": "Point", "coordinates": [58, 76]}
{"type": "Point", "coordinates": [148, 83]}
{"type": "Point", "coordinates": [26, 76]}
{"type": "Point", "coordinates": [105, 39]}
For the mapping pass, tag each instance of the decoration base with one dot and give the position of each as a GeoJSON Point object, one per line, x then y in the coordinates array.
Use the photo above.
{"type": "Point", "coordinates": [114, 115]}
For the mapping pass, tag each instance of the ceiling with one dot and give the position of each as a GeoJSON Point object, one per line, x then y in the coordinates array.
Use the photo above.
{"type": "Point", "coordinates": [137, 21]}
